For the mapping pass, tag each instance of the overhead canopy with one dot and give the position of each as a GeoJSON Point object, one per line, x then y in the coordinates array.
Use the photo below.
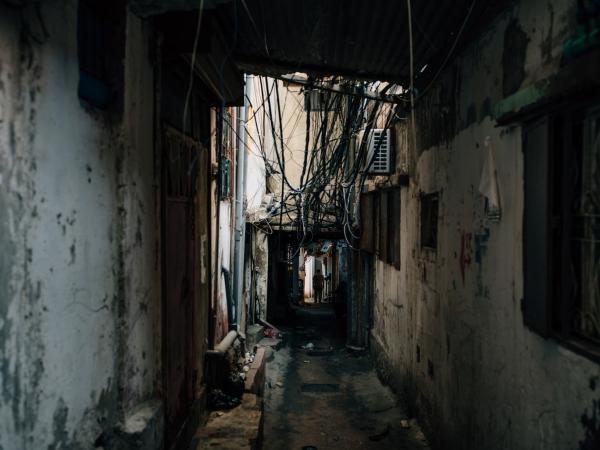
{"type": "Point", "coordinates": [356, 38]}
{"type": "Point", "coordinates": [365, 39]}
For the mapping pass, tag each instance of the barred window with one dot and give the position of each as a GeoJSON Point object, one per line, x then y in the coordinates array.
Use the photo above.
{"type": "Point", "coordinates": [562, 226]}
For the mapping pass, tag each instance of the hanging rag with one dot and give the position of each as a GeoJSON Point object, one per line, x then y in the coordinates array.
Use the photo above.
{"type": "Point", "coordinates": [488, 185]}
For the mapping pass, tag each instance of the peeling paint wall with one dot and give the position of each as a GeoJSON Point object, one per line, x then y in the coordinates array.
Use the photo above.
{"type": "Point", "coordinates": [79, 280]}
{"type": "Point", "coordinates": [260, 253]}
{"type": "Point", "coordinates": [448, 328]}
{"type": "Point", "coordinates": [139, 194]}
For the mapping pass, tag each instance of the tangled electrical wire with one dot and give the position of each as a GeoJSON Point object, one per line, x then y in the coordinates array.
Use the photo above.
{"type": "Point", "coordinates": [335, 160]}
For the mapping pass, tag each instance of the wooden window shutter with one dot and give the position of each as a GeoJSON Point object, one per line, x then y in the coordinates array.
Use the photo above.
{"type": "Point", "coordinates": [394, 205]}
{"type": "Point", "coordinates": [383, 226]}
{"type": "Point", "coordinates": [367, 223]}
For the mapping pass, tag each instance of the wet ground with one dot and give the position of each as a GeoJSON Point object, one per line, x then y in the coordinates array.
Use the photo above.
{"type": "Point", "coordinates": [325, 396]}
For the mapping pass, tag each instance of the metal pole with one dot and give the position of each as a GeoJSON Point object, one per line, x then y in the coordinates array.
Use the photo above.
{"type": "Point", "coordinates": [240, 201]}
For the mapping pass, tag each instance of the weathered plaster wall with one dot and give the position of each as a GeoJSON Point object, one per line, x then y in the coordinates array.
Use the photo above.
{"type": "Point", "coordinates": [79, 309]}
{"type": "Point", "coordinates": [256, 179]}
{"type": "Point", "coordinates": [448, 330]}
{"type": "Point", "coordinates": [260, 250]}
{"type": "Point", "coordinates": [293, 123]}
{"type": "Point", "coordinates": [139, 196]}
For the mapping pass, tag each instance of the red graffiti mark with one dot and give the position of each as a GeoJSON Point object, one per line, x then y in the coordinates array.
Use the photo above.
{"type": "Point", "coordinates": [465, 253]}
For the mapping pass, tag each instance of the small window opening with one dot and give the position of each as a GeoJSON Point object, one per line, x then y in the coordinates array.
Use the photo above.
{"type": "Point", "coordinates": [429, 220]}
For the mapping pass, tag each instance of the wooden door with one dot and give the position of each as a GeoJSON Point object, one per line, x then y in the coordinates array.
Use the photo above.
{"type": "Point", "coordinates": [181, 280]}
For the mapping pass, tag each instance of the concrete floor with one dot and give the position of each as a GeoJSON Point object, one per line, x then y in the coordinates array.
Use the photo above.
{"type": "Point", "coordinates": [332, 400]}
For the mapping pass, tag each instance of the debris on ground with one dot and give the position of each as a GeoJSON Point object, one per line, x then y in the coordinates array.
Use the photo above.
{"type": "Point", "coordinates": [267, 324]}
{"type": "Point", "coordinates": [405, 423]}
{"type": "Point", "coordinates": [270, 330]}
{"type": "Point", "coordinates": [249, 358]}
{"type": "Point", "coordinates": [279, 384]}
{"type": "Point", "coordinates": [308, 346]}
{"type": "Point", "coordinates": [217, 399]}
{"type": "Point", "coordinates": [272, 333]}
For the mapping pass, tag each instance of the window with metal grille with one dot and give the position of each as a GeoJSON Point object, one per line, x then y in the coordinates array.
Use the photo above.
{"type": "Point", "coordinates": [562, 227]}
{"type": "Point", "coordinates": [429, 220]}
{"type": "Point", "coordinates": [225, 167]}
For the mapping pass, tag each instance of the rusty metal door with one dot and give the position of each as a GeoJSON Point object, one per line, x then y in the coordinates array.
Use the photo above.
{"type": "Point", "coordinates": [180, 278]}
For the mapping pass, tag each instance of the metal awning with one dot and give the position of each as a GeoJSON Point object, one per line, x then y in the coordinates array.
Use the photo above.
{"type": "Point", "coordinates": [355, 38]}
{"type": "Point", "coordinates": [365, 39]}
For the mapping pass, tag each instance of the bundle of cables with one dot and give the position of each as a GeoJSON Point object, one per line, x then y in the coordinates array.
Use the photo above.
{"type": "Point", "coordinates": [335, 158]}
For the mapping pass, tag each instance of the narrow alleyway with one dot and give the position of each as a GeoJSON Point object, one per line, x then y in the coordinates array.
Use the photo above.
{"type": "Point", "coordinates": [321, 395]}
{"type": "Point", "coordinates": [246, 225]}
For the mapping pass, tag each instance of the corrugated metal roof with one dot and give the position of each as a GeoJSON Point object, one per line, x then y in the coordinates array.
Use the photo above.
{"type": "Point", "coordinates": [357, 38]}
{"type": "Point", "coordinates": [146, 8]}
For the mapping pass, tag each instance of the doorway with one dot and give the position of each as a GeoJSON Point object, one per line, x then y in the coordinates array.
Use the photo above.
{"type": "Point", "coordinates": [185, 207]}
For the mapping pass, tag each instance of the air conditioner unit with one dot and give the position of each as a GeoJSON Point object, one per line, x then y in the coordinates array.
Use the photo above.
{"type": "Point", "coordinates": [379, 151]}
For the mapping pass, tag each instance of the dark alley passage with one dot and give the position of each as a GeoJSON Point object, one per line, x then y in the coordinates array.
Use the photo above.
{"type": "Point", "coordinates": [299, 225]}
{"type": "Point", "coordinates": [322, 395]}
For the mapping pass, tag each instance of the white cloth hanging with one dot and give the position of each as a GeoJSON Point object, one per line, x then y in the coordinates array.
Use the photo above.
{"type": "Point", "coordinates": [488, 184]}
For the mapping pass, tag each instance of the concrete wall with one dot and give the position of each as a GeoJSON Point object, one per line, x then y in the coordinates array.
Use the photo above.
{"type": "Point", "coordinates": [141, 240]}
{"type": "Point", "coordinates": [79, 268]}
{"type": "Point", "coordinates": [448, 329]}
